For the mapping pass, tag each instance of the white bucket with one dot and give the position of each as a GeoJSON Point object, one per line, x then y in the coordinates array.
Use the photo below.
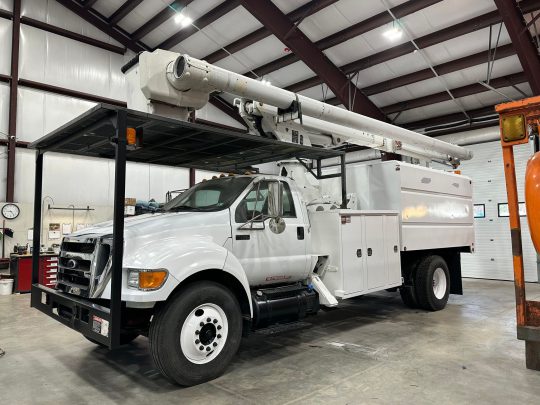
{"type": "Point", "coordinates": [6, 286]}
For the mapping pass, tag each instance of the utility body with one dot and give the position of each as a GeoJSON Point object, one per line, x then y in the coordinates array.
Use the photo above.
{"type": "Point", "coordinates": [238, 253]}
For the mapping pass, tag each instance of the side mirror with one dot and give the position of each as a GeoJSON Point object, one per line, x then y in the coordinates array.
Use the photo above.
{"type": "Point", "coordinates": [275, 199]}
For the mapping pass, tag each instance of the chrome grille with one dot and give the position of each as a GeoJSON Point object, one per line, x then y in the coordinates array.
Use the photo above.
{"type": "Point", "coordinates": [82, 266]}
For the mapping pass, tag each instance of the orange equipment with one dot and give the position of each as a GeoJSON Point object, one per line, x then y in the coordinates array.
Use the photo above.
{"type": "Point", "coordinates": [519, 122]}
{"type": "Point", "coordinates": [532, 198]}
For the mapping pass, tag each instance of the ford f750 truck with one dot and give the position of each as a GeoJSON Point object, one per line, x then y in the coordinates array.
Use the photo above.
{"type": "Point", "coordinates": [242, 252]}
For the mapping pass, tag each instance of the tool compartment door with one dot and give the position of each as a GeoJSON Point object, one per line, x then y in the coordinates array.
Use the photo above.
{"type": "Point", "coordinates": [377, 272]}
{"type": "Point", "coordinates": [392, 249]}
{"type": "Point", "coordinates": [353, 253]}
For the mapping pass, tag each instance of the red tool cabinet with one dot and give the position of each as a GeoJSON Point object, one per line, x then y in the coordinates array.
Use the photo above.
{"type": "Point", "coordinates": [20, 267]}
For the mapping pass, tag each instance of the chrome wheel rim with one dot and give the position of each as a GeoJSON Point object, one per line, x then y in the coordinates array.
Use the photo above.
{"type": "Point", "coordinates": [204, 333]}
{"type": "Point", "coordinates": [439, 283]}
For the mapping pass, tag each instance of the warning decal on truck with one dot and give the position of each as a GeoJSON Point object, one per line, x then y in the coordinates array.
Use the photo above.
{"type": "Point", "coordinates": [100, 325]}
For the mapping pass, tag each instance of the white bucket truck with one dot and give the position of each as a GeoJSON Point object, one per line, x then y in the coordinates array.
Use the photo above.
{"type": "Point", "coordinates": [238, 253]}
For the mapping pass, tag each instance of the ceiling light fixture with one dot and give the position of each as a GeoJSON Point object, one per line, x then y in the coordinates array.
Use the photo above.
{"type": "Point", "coordinates": [394, 33]}
{"type": "Point", "coordinates": [182, 19]}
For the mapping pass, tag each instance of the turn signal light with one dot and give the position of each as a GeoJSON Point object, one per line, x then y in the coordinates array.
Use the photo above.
{"type": "Point", "coordinates": [152, 279]}
{"type": "Point", "coordinates": [143, 279]}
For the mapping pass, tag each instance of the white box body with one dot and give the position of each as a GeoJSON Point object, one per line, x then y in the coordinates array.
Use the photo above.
{"type": "Point", "coordinates": [435, 207]}
{"type": "Point", "coordinates": [362, 249]}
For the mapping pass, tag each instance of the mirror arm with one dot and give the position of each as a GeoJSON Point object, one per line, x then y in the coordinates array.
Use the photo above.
{"type": "Point", "coordinates": [252, 221]}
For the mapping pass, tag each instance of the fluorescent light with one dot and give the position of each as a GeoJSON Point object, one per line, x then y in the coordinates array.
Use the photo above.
{"type": "Point", "coordinates": [393, 34]}
{"type": "Point", "coordinates": [182, 20]}
{"type": "Point", "coordinates": [179, 18]}
{"type": "Point", "coordinates": [186, 21]}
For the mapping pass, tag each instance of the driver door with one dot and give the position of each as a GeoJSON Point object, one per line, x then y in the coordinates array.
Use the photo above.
{"type": "Point", "coordinates": [268, 257]}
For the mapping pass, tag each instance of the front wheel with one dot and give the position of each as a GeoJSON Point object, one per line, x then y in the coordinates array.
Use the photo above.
{"type": "Point", "coordinates": [195, 335]}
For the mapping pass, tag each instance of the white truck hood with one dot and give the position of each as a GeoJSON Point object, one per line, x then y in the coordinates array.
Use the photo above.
{"type": "Point", "coordinates": [149, 228]}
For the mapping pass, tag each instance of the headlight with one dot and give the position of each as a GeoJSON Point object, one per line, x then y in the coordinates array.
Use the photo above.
{"type": "Point", "coordinates": [146, 279]}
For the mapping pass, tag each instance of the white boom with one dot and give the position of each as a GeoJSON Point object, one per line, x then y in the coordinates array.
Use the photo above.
{"type": "Point", "coordinates": [187, 82]}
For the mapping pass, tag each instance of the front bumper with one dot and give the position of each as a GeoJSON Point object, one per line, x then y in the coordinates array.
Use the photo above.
{"type": "Point", "coordinates": [80, 314]}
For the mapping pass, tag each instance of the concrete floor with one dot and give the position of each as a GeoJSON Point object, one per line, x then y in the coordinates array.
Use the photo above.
{"type": "Point", "coordinates": [373, 350]}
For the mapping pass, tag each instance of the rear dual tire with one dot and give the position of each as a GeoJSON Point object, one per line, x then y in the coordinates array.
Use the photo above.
{"type": "Point", "coordinates": [430, 289]}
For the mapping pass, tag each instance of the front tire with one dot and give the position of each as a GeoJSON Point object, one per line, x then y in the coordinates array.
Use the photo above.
{"type": "Point", "coordinates": [432, 283]}
{"type": "Point", "coordinates": [195, 335]}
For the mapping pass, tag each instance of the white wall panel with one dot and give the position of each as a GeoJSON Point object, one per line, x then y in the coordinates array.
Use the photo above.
{"type": "Point", "coordinates": [201, 175]}
{"type": "Point", "coordinates": [6, 5]}
{"type": "Point", "coordinates": [255, 55]}
{"type": "Point", "coordinates": [63, 62]}
{"type": "Point", "coordinates": [163, 179]}
{"type": "Point", "coordinates": [51, 12]}
{"type": "Point", "coordinates": [39, 113]}
{"type": "Point", "coordinates": [493, 248]}
{"type": "Point", "coordinates": [4, 108]}
{"type": "Point", "coordinates": [107, 7]}
{"type": "Point", "coordinates": [222, 32]}
{"type": "Point", "coordinates": [5, 40]}
{"type": "Point", "coordinates": [81, 181]}
{"type": "Point", "coordinates": [170, 27]}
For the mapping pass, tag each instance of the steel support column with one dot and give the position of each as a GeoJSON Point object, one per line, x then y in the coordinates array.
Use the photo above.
{"type": "Point", "coordinates": [522, 41]}
{"type": "Point", "coordinates": [343, 168]}
{"type": "Point", "coordinates": [36, 236]}
{"type": "Point", "coordinates": [191, 177]}
{"type": "Point", "coordinates": [287, 32]}
{"type": "Point", "coordinates": [118, 228]}
{"type": "Point", "coordinates": [12, 131]}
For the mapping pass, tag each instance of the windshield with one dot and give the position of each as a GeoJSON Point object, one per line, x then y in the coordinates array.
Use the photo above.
{"type": "Point", "coordinates": [211, 195]}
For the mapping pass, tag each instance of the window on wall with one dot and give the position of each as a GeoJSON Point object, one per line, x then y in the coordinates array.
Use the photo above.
{"type": "Point", "coordinates": [502, 209]}
{"type": "Point", "coordinates": [479, 210]}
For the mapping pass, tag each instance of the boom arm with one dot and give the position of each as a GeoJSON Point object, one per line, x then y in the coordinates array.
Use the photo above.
{"type": "Point", "coordinates": [187, 82]}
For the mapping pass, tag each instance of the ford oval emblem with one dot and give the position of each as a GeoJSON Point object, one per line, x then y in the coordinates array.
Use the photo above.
{"type": "Point", "coordinates": [71, 264]}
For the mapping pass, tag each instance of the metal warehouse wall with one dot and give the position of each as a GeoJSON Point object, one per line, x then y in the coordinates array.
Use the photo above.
{"type": "Point", "coordinates": [493, 256]}
{"type": "Point", "coordinates": [56, 60]}
{"type": "Point", "coordinates": [63, 62]}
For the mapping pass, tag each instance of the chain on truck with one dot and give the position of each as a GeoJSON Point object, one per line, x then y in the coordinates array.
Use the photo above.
{"type": "Point", "coordinates": [238, 253]}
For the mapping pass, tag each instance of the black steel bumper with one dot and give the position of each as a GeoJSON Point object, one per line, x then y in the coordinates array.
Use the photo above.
{"type": "Point", "coordinates": [82, 315]}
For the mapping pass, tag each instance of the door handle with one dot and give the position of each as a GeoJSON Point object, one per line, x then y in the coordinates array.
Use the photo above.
{"type": "Point", "coordinates": [300, 233]}
{"type": "Point", "coordinates": [358, 252]}
{"type": "Point", "coordinates": [369, 252]}
{"type": "Point", "coordinates": [242, 237]}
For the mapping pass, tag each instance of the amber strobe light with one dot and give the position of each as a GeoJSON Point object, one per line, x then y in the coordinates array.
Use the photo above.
{"type": "Point", "coordinates": [131, 136]}
{"type": "Point", "coordinates": [532, 198]}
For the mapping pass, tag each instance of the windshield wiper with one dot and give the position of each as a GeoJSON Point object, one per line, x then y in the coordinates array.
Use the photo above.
{"type": "Point", "coordinates": [182, 208]}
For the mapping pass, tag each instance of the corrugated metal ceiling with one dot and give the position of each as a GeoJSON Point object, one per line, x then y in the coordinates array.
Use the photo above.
{"type": "Point", "coordinates": [331, 19]}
